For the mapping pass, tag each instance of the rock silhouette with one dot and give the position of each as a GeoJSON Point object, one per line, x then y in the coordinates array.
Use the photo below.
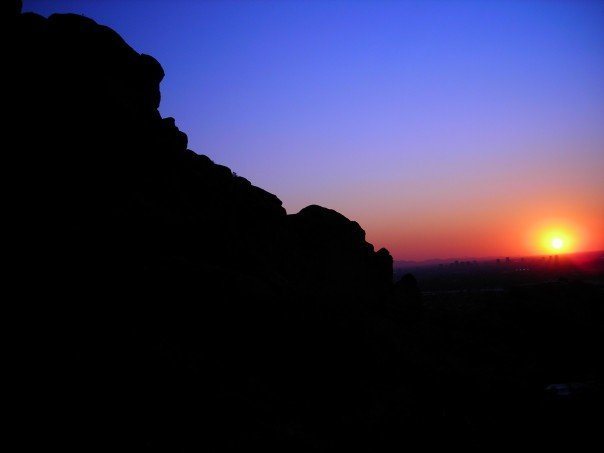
{"type": "Point", "coordinates": [103, 154]}
{"type": "Point", "coordinates": [407, 291]}
{"type": "Point", "coordinates": [165, 267]}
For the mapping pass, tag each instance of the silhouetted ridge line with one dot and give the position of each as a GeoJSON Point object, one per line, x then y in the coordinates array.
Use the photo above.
{"type": "Point", "coordinates": [92, 101]}
{"type": "Point", "coordinates": [170, 282]}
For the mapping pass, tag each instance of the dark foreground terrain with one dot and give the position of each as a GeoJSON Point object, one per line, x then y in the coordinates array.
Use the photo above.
{"type": "Point", "coordinates": [141, 335]}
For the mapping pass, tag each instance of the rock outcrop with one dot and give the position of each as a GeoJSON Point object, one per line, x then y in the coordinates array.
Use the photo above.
{"type": "Point", "coordinates": [95, 155]}
{"type": "Point", "coordinates": [169, 286]}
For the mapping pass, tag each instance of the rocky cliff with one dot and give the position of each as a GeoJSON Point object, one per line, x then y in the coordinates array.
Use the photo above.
{"type": "Point", "coordinates": [171, 291]}
{"type": "Point", "coordinates": [110, 176]}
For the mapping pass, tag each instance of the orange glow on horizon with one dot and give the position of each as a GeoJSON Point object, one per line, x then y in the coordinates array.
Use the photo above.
{"type": "Point", "coordinates": [558, 242]}
{"type": "Point", "coordinates": [558, 237]}
{"type": "Point", "coordinates": [484, 228]}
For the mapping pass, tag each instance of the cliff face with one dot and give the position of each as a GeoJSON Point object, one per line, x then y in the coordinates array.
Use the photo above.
{"type": "Point", "coordinates": [166, 284]}
{"type": "Point", "coordinates": [107, 174]}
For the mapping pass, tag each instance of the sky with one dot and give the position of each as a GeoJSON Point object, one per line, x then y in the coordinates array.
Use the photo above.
{"type": "Point", "coordinates": [447, 129]}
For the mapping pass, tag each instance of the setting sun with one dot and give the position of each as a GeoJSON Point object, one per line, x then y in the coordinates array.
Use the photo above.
{"type": "Point", "coordinates": [557, 243]}
{"type": "Point", "coordinates": [557, 236]}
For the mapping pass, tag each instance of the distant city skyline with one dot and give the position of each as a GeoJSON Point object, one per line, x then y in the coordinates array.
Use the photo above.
{"type": "Point", "coordinates": [445, 129]}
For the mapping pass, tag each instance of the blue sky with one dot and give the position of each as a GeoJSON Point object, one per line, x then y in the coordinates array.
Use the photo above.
{"type": "Point", "coordinates": [403, 115]}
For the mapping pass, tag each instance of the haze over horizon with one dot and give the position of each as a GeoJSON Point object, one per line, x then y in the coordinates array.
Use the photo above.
{"type": "Point", "coordinates": [444, 128]}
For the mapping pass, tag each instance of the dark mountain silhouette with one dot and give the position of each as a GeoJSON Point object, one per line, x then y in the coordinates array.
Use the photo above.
{"type": "Point", "coordinates": [134, 239]}
{"type": "Point", "coordinates": [143, 332]}
{"type": "Point", "coordinates": [116, 174]}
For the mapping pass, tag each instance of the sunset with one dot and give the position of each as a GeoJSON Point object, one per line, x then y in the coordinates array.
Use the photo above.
{"type": "Point", "coordinates": [559, 242]}
{"type": "Point", "coordinates": [306, 226]}
{"type": "Point", "coordinates": [438, 126]}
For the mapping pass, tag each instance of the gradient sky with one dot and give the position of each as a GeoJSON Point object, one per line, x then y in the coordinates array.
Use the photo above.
{"type": "Point", "coordinates": [445, 128]}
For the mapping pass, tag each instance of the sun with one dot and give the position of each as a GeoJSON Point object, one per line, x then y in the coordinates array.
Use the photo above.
{"type": "Point", "coordinates": [551, 238]}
